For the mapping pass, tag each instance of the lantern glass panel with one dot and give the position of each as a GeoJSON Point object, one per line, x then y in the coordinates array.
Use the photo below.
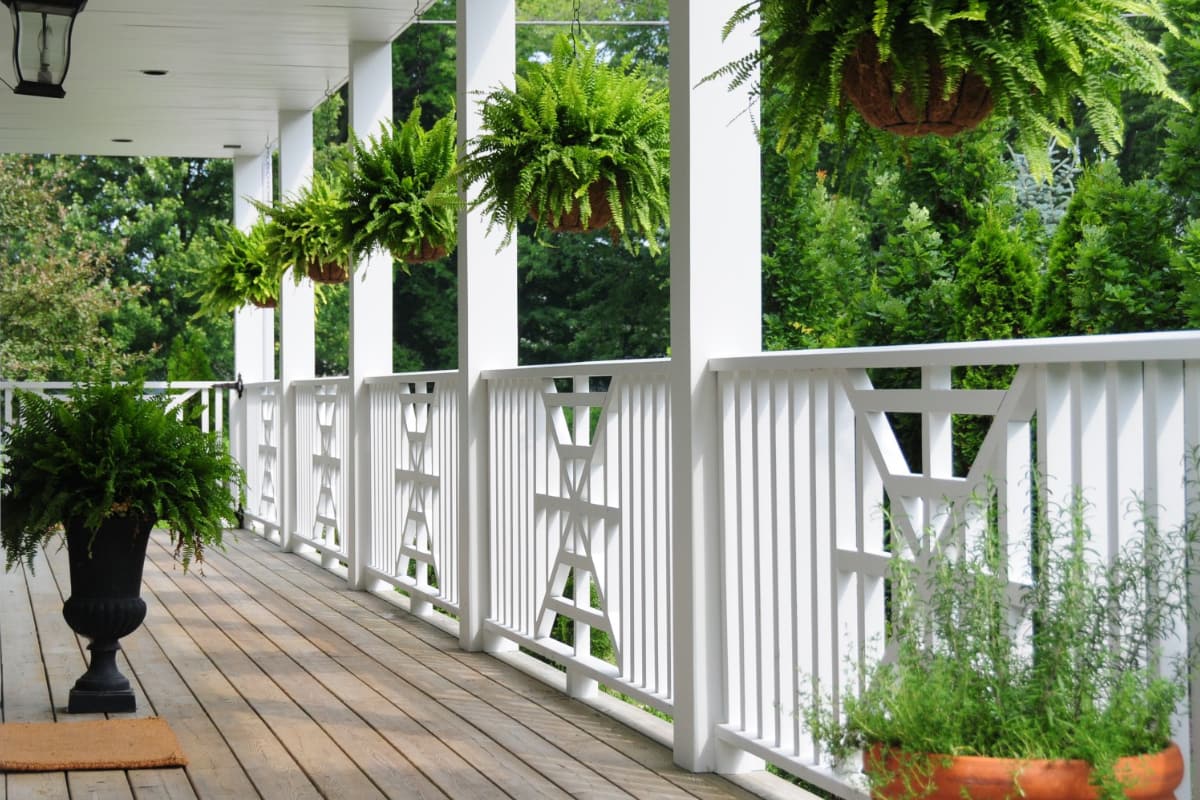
{"type": "Point", "coordinates": [42, 55]}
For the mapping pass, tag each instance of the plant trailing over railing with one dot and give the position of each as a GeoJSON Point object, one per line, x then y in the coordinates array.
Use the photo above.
{"type": "Point", "coordinates": [1087, 661]}
{"type": "Point", "coordinates": [106, 451]}
{"type": "Point", "coordinates": [576, 141]}
{"type": "Point", "coordinates": [242, 273]}
{"type": "Point", "coordinates": [309, 231]}
{"type": "Point", "coordinates": [401, 194]}
{"type": "Point", "coordinates": [1035, 61]}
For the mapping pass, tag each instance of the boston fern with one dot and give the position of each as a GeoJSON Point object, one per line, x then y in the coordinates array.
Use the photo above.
{"type": "Point", "coordinates": [106, 451]}
{"type": "Point", "coordinates": [571, 123]}
{"type": "Point", "coordinates": [401, 194]}
{"type": "Point", "coordinates": [242, 273]}
{"type": "Point", "coordinates": [309, 228]}
{"type": "Point", "coordinates": [1040, 59]}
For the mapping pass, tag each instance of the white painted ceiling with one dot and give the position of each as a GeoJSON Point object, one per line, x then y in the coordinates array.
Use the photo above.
{"type": "Point", "coordinates": [231, 66]}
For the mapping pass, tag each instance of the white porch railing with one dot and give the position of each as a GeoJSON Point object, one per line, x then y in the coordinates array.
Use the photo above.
{"type": "Point", "coordinates": [322, 429]}
{"type": "Point", "coordinates": [414, 487]}
{"type": "Point", "coordinates": [580, 527]}
{"type": "Point", "coordinates": [259, 451]}
{"type": "Point", "coordinates": [580, 491]}
{"type": "Point", "coordinates": [810, 455]}
{"type": "Point", "coordinates": [206, 403]}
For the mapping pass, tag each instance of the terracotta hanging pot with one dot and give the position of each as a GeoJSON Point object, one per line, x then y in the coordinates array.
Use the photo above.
{"type": "Point", "coordinates": [425, 254]}
{"type": "Point", "coordinates": [867, 84]}
{"type": "Point", "coordinates": [601, 212]}
{"type": "Point", "coordinates": [327, 272]}
{"type": "Point", "coordinates": [264, 303]}
{"type": "Point", "coordinates": [1151, 777]}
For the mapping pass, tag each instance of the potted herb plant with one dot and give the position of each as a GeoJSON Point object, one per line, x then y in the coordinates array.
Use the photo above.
{"type": "Point", "coordinates": [401, 194]}
{"type": "Point", "coordinates": [578, 144]}
{"type": "Point", "coordinates": [1058, 688]}
{"type": "Point", "coordinates": [309, 231]}
{"type": "Point", "coordinates": [242, 273]}
{"type": "Point", "coordinates": [107, 464]}
{"type": "Point", "coordinates": [941, 67]}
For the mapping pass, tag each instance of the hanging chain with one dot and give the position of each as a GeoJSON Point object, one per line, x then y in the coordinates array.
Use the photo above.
{"type": "Point", "coordinates": [576, 27]}
{"type": "Point", "coordinates": [418, 46]}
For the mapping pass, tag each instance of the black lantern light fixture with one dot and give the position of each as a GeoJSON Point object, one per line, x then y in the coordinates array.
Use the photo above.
{"type": "Point", "coordinates": [42, 44]}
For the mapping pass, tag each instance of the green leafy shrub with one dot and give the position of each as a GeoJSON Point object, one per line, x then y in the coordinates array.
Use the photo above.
{"type": "Point", "coordinates": [1074, 668]}
{"type": "Point", "coordinates": [1038, 59]}
{"type": "Point", "coordinates": [401, 194]}
{"type": "Point", "coordinates": [1110, 268]}
{"type": "Point", "coordinates": [575, 124]}
{"type": "Point", "coordinates": [107, 451]}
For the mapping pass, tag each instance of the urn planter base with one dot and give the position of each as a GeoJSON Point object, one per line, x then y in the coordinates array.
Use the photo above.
{"type": "Point", "coordinates": [106, 577]}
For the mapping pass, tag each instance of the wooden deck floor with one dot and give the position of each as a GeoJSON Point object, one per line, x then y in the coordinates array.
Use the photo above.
{"type": "Point", "coordinates": [281, 684]}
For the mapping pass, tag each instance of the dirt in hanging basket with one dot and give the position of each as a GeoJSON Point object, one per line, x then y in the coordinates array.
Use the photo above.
{"type": "Point", "coordinates": [868, 85]}
{"type": "Point", "coordinates": [327, 272]}
{"type": "Point", "coordinates": [427, 253]}
{"type": "Point", "coordinates": [601, 212]}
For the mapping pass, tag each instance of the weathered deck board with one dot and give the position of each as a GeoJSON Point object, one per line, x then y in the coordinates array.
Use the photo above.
{"type": "Point", "coordinates": [280, 683]}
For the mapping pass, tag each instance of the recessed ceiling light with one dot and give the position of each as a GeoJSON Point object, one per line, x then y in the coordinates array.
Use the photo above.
{"type": "Point", "coordinates": [232, 146]}
{"type": "Point", "coordinates": [121, 140]}
{"type": "Point", "coordinates": [154, 73]}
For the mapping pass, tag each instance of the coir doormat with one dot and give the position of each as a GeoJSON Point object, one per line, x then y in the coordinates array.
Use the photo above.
{"type": "Point", "coordinates": [91, 744]}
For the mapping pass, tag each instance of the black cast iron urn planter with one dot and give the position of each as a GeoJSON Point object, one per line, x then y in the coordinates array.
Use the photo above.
{"type": "Point", "coordinates": [105, 604]}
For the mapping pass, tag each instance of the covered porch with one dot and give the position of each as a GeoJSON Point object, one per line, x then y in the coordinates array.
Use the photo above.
{"type": "Point", "coordinates": [715, 515]}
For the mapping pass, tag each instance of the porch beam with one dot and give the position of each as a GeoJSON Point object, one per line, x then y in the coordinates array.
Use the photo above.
{"type": "Point", "coordinates": [487, 308]}
{"type": "Point", "coordinates": [297, 346]}
{"type": "Point", "coordinates": [370, 306]}
{"type": "Point", "coordinates": [716, 309]}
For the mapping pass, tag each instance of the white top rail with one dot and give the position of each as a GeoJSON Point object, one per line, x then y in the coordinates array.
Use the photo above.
{"type": "Point", "coordinates": [411, 377]}
{"type": "Point", "coordinates": [633, 366]}
{"type": "Point", "coordinates": [334, 380]}
{"type": "Point", "coordinates": [1172, 346]}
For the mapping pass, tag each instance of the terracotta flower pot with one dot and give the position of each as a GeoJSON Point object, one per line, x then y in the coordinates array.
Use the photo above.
{"type": "Point", "coordinates": [1151, 777]}
{"type": "Point", "coordinates": [327, 272]}
{"type": "Point", "coordinates": [868, 85]}
{"type": "Point", "coordinates": [601, 212]}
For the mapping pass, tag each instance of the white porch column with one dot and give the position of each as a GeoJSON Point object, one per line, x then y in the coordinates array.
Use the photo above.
{"type": "Point", "coordinates": [487, 307]}
{"type": "Point", "coordinates": [297, 346]}
{"type": "Point", "coordinates": [253, 328]}
{"type": "Point", "coordinates": [716, 309]}
{"type": "Point", "coordinates": [370, 306]}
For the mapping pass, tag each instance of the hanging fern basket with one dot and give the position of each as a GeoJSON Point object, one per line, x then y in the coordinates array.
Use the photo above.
{"type": "Point", "coordinates": [327, 272]}
{"type": "Point", "coordinates": [868, 85]}
{"type": "Point", "coordinates": [572, 221]}
{"type": "Point", "coordinates": [264, 303]}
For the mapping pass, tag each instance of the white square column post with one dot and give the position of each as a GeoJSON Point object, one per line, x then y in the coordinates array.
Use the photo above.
{"type": "Point", "coordinates": [297, 346]}
{"type": "Point", "coordinates": [716, 310]}
{"type": "Point", "coordinates": [487, 309]}
{"type": "Point", "coordinates": [253, 328]}
{"type": "Point", "coordinates": [370, 307]}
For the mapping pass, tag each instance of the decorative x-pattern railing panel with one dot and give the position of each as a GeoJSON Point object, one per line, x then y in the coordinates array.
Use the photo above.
{"type": "Point", "coordinates": [813, 451]}
{"type": "Point", "coordinates": [581, 520]}
{"type": "Point", "coordinates": [414, 478]}
{"type": "Point", "coordinates": [322, 445]}
{"type": "Point", "coordinates": [260, 404]}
